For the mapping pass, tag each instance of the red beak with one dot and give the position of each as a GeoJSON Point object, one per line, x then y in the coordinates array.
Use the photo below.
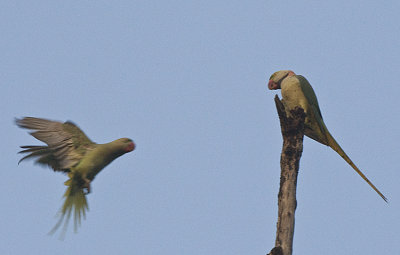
{"type": "Point", "coordinates": [131, 146]}
{"type": "Point", "coordinates": [272, 85]}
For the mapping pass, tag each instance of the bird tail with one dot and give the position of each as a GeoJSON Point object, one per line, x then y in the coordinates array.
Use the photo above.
{"type": "Point", "coordinates": [75, 202]}
{"type": "Point", "coordinates": [336, 147]}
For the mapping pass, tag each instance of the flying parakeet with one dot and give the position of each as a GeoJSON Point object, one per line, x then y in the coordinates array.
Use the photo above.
{"type": "Point", "coordinates": [297, 91]}
{"type": "Point", "coordinates": [70, 151]}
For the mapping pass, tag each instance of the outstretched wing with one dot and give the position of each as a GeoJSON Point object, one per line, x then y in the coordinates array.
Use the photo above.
{"type": "Point", "coordinates": [67, 143]}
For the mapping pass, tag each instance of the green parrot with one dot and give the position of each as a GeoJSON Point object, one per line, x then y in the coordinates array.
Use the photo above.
{"type": "Point", "coordinates": [297, 91]}
{"type": "Point", "coordinates": [70, 151]}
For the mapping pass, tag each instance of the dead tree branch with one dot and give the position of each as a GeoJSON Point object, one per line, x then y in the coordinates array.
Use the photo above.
{"type": "Point", "coordinates": [292, 128]}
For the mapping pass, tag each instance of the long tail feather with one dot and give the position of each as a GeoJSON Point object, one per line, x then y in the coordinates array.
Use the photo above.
{"type": "Point", "coordinates": [336, 147]}
{"type": "Point", "coordinates": [75, 202]}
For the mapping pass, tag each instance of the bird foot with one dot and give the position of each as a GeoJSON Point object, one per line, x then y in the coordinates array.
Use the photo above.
{"type": "Point", "coordinates": [86, 185]}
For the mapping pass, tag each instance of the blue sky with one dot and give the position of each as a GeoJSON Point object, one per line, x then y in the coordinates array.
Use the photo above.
{"type": "Point", "coordinates": [187, 81]}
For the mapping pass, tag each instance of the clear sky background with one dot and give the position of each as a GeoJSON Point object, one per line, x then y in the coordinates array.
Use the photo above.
{"type": "Point", "coordinates": [187, 81]}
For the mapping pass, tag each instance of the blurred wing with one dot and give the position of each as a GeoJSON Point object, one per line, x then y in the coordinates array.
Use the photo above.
{"type": "Point", "coordinates": [67, 143]}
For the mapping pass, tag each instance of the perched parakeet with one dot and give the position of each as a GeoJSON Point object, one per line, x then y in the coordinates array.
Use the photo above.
{"type": "Point", "coordinates": [70, 151]}
{"type": "Point", "coordinates": [297, 91]}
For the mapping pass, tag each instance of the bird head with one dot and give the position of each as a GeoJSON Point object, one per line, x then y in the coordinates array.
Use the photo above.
{"type": "Point", "coordinates": [125, 144]}
{"type": "Point", "coordinates": [277, 77]}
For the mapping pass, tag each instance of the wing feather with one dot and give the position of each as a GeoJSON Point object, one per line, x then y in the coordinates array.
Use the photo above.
{"type": "Point", "coordinates": [67, 143]}
{"type": "Point", "coordinates": [316, 131]}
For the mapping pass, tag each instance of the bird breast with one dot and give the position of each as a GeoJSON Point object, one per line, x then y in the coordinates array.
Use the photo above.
{"type": "Point", "coordinates": [292, 94]}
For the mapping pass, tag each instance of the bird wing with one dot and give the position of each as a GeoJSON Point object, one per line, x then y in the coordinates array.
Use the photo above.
{"type": "Point", "coordinates": [67, 143]}
{"type": "Point", "coordinates": [323, 136]}
{"type": "Point", "coordinates": [309, 94]}
{"type": "Point", "coordinates": [317, 130]}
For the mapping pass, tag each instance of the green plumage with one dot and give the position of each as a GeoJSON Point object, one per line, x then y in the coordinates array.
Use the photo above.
{"type": "Point", "coordinates": [297, 92]}
{"type": "Point", "coordinates": [70, 151]}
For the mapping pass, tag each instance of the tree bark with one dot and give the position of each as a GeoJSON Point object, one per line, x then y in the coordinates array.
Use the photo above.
{"type": "Point", "coordinates": [292, 128]}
